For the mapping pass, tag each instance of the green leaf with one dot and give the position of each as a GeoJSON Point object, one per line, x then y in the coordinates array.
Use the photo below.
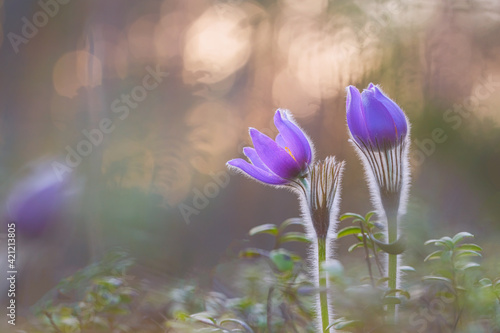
{"type": "Point", "coordinates": [204, 317]}
{"type": "Point", "coordinates": [436, 278]}
{"type": "Point", "coordinates": [295, 257]}
{"type": "Point", "coordinates": [447, 241]}
{"type": "Point", "coordinates": [353, 230]}
{"type": "Point", "coordinates": [434, 255]}
{"type": "Point", "coordinates": [407, 269]}
{"type": "Point", "coordinates": [470, 265]}
{"type": "Point", "coordinates": [369, 216]}
{"type": "Point", "coordinates": [461, 235]}
{"type": "Point", "coordinates": [431, 241]}
{"type": "Point", "coordinates": [399, 291]}
{"type": "Point", "coordinates": [397, 247]}
{"type": "Point", "coordinates": [345, 324]}
{"type": "Point", "coordinates": [351, 215]}
{"type": "Point", "coordinates": [391, 300]}
{"type": "Point", "coordinates": [289, 222]}
{"type": "Point", "coordinates": [467, 253]}
{"type": "Point", "coordinates": [293, 236]}
{"type": "Point", "coordinates": [359, 237]}
{"type": "Point", "coordinates": [444, 241]}
{"type": "Point", "coordinates": [365, 279]}
{"type": "Point", "coordinates": [382, 280]}
{"type": "Point", "coordinates": [253, 253]}
{"type": "Point", "coordinates": [282, 259]}
{"type": "Point", "coordinates": [355, 246]}
{"type": "Point", "coordinates": [271, 229]}
{"type": "Point", "coordinates": [237, 321]}
{"type": "Point", "coordinates": [472, 247]}
{"type": "Point", "coordinates": [485, 282]}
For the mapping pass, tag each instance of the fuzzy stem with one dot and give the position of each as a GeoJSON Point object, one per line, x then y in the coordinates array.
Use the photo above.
{"type": "Point", "coordinates": [323, 297]}
{"type": "Point", "coordinates": [392, 223]}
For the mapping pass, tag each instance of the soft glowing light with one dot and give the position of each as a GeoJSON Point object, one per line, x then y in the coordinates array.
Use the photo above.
{"type": "Point", "coordinates": [139, 37]}
{"type": "Point", "coordinates": [71, 72]}
{"type": "Point", "coordinates": [218, 43]}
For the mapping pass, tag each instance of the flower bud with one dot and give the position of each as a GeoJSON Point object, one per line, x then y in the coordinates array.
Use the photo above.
{"type": "Point", "coordinates": [374, 120]}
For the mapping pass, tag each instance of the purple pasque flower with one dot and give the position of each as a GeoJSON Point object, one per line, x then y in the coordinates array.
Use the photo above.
{"type": "Point", "coordinates": [36, 201]}
{"type": "Point", "coordinates": [279, 161]}
{"type": "Point", "coordinates": [374, 120]}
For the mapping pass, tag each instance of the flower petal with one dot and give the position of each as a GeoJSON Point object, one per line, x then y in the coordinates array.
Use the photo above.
{"type": "Point", "coordinates": [379, 123]}
{"type": "Point", "coordinates": [257, 173]}
{"type": "Point", "coordinates": [394, 110]}
{"type": "Point", "coordinates": [277, 159]}
{"type": "Point", "coordinates": [356, 120]}
{"type": "Point", "coordinates": [255, 159]}
{"type": "Point", "coordinates": [294, 138]}
{"type": "Point", "coordinates": [279, 140]}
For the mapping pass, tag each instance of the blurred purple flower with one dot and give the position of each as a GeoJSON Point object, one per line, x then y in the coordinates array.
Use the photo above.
{"type": "Point", "coordinates": [374, 120]}
{"type": "Point", "coordinates": [37, 200]}
{"type": "Point", "coordinates": [279, 161]}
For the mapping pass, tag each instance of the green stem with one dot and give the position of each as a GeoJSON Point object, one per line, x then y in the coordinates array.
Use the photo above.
{"type": "Point", "coordinates": [323, 297]}
{"type": "Point", "coordinates": [367, 254]}
{"type": "Point", "coordinates": [392, 222]}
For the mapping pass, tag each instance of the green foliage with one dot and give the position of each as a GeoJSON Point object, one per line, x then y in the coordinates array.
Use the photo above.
{"type": "Point", "coordinates": [469, 297]}
{"type": "Point", "coordinates": [279, 232]}
{"type": "Point", "coordinates": [269, 290]}
{"type": "Point", "coordinates": [100, 297]}
{"type": "Point", "coordinates": [465, 299]}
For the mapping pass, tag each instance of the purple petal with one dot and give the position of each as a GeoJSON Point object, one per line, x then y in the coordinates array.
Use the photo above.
{"type": "Point", "coordinates": [255, 159]}
{"type": "Point", "coordinates": [279, 140]}
{"type": "Point", "coordinates": [381, 127]}
{"type": "Point", "coordinates": [254, 172]}
{"type": "Point", "coordinates": [38, 210]}
{"type": "Point", "coordinates": [294, 138]}
{"type": "Point", "coordinates": [394, 110]}
{"type": "Point", "coordinates": [277, 159]}
{"type": "Point", "coordinates": [356, 120]}
{"type": "Point", "coordinates": [36, 202]}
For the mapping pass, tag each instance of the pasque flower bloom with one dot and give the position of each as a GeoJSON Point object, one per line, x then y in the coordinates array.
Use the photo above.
{"type": "Point", "coordinates": [380, 131]}
{"type": "Point", "coordinates": [374, 120]}
{"type": "Point", "coordinates": [288, 160]}
{"type": "Point", "coordinates": [279, 161]}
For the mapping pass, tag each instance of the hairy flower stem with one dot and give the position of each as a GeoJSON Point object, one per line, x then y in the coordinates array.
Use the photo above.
{"type": "Point", "coordinates": [392, 224]}
{"type": "Point", "coordinates": [323, 297]}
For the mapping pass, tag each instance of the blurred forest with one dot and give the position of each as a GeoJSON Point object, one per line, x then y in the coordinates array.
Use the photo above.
{"type": "Point", "coordinates": [180, 82]}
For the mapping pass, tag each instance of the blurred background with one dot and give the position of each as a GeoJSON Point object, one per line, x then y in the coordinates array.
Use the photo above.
{"type": "Point", "coordinates": [118, 116]}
